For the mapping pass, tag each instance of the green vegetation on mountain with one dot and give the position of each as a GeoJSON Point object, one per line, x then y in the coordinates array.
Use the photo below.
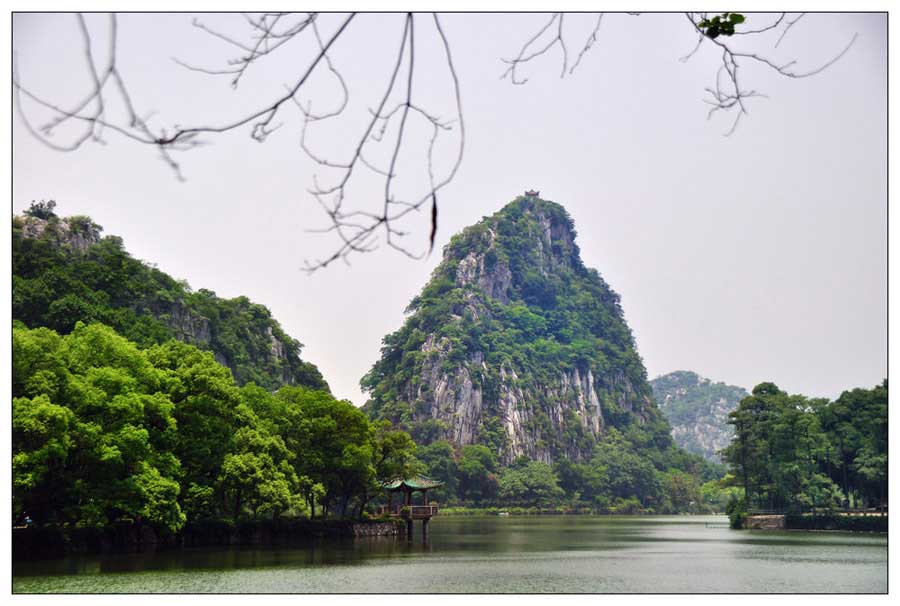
{"type": "Point", "coordinates": [105, 431]}
{"type": "Point", "coordinates": [512, 307]}
{"type": "Point", "coordinates": [697, 409]}
{"type": "Point", "coordinates": [64, 272]}
{"type": "Point", "coordinates": [517, 372]}
{"type": "Point", "coordinates": [795, 453]}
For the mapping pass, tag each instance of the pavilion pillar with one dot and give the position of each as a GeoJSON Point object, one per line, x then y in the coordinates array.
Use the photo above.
{"type": "Point", "coordinates": [425, 530]}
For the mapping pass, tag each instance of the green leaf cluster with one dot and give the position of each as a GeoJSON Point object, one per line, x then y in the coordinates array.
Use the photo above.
{"type": "Point", "coordinates": [721, 25]}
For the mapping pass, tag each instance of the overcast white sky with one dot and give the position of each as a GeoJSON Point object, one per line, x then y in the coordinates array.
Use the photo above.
{"type": "Point", "coordinates": [759, 256]}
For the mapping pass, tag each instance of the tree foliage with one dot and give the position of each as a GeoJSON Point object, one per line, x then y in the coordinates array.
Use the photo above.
{"type": "Point", "coordinates": [106, 431]}
{"type": "Point", "coordinates": [795, 453]}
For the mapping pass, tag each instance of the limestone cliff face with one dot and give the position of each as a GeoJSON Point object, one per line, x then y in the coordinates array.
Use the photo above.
{"type": "Point", "coordinates": [104, 281]}
{"type": "Point", "coordinates": [513, 344]}
{"type": "Point", "coordinates": [697, 409]}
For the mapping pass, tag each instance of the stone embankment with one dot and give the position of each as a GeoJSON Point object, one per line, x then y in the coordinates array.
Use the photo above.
{"type": "Point", "coordinates": [765, 522]}
{"type": "Point", "coordinates": [55, 542]}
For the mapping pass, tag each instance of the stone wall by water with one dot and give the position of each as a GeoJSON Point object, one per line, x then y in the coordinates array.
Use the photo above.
{"type": "Point", "coordinates": [54, 542]}
{"type": "Point", "coordinates": [769, 522]}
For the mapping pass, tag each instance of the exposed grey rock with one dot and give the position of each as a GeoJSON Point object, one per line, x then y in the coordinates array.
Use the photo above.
{"type": "Point", "coordinates": [697, 410]}
{"type": "Point", "coordinates": [75, 234]}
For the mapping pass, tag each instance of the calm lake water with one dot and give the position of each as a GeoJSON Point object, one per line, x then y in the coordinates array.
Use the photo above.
{"type": "Point", "coordinates": [574, 554]}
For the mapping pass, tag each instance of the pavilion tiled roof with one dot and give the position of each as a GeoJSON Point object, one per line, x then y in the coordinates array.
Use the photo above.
{"type": "Point", "coordinates": [413, 483]}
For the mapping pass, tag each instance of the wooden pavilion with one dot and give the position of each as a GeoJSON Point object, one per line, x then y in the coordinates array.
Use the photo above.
{"type": "Point", "coordinates": [406, 510]}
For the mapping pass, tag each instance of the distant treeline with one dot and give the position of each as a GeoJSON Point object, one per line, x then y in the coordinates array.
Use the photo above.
{"type": "Point", "coordinates": [616, 479]}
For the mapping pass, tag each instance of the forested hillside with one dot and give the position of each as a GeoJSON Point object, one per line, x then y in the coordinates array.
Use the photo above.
{"type": "Point", "coordinates": [65, 272]}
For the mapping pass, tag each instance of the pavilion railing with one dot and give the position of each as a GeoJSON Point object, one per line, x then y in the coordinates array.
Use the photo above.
{"type": "Point", "coordinates": [409, 511]}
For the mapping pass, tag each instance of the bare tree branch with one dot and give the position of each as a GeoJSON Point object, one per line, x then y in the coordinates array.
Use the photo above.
{"type": "Point", "coordinates": [358, 230]}
{"type": "Point", "coordinates": [527, 54]}
{"type": "Point", "coordinates": [588, 43]}
{"type": "Point", "coordinates": [729, 95]}
{"type": "Point", "coordinates": [268, 40]}
{"type": "Point", "coordinates": [788, 28]}
{"type": "Point", "coordinates": [396, 117]}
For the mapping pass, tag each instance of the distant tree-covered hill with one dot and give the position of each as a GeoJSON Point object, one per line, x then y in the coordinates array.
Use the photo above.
{"type": "Point", "coordinates": [697, 410]}
{"type": "Point", "coordinates": [65, 272]}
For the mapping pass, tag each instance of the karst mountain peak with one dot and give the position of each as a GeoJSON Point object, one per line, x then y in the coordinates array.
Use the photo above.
{"type": "Point", "coordinates": [515, 344]}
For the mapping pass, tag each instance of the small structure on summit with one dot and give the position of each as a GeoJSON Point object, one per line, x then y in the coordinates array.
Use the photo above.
{"type": "Point", "coordinates": [407, 510]}
{"type": "Point", "coordinates": [531, 192]}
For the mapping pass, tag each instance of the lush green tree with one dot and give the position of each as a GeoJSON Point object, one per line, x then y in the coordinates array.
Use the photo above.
{"type": "Point", "coordinates": [717, 493]}
{"type": "Point", "coordinates": [393, 457]}
{"type": "Point", "coordinates": [41, 435]}
{"type": "Point", "coordinates": [106, 431]}
{"type": "Point", "coordinates": [335, 443]}
{"type": "Point", "coordinates": [749, 452]}
{"type": "Point", "coordinates": [617, 472]}
{"type": "Point", "coordinates": [439, 461]}
{"type": "Point", "coordinates": [257, 474]}
{"type": "Point", "coordinates": [205, 400]}
{"type": "Point", "coordinates": [857, 423]}
{"type": "Point", "coordinates": [531, 484]}
{"type": "Point", "coordinates": [791, 452]}
{"type": "Point", "coordinates": [682, 491]}
{"type": "Point", "coordinates": [42, 210]}
{"type": "Point", "coordinates": [101, 451]}
{"type": "Point", "coordinates": [477, 480]}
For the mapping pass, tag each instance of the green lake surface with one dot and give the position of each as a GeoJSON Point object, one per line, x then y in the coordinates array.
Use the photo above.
{"type": "Point", "coordinates": [492, 554]}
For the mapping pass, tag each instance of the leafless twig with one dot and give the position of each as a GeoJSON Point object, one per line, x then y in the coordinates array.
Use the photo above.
{"type": "Point", "coordinates": [394, 118]}
{"type": "Point", "coordinates": [358, 230]}
{"type": "Point", "coordinates": [788, 28]}
{"type": "Point", "coordinates": [531, 50]}
{"type": "Point", "coordinates": [728, 94]}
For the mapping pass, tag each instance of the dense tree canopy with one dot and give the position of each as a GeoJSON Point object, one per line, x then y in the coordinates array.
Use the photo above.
{"type": "Point", "coordinates": [795, 453]}
{"type": "Point", "coordinates": [105, 431]}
